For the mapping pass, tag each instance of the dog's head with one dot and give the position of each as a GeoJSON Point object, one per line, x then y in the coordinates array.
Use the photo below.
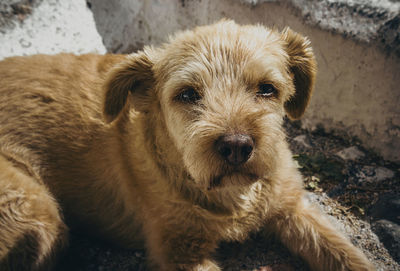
{"type": "Point", "coordinates": [222, 92]}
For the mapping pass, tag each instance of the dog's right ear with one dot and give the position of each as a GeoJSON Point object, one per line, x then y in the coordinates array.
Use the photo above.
{"type": "Point", "coordinates": [303, 68]}
{"type": "Point", "coordinates": [135, 76]}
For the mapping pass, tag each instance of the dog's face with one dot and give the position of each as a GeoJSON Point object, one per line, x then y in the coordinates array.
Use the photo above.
{"type": "Point", "coordinates": [222, 91]}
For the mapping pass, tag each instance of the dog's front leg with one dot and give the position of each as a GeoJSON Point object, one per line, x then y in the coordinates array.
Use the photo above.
{"type": "Point", "coordinates": [173, 248]}
{"type": "Point", "coordinates": [31, 227]}
{"type": "Point", "coordinates": [308, 233]}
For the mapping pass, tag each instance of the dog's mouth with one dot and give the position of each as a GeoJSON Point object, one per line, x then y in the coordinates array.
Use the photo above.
{"type": "Point", "coordinates": [232, 178]}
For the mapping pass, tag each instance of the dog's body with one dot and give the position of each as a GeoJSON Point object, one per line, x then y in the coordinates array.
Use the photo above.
{"type": "Point", "coordinates": [192, 152]}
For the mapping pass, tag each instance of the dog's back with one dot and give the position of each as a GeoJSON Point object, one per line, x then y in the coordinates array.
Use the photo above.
{"type": "Point", "coordinates": [47, 102]}
{"type": "Point", "coordinates": [50, 118]}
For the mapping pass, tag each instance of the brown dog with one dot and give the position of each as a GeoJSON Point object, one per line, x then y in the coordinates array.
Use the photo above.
{"type": "Point", "coordinates": [192, 151]}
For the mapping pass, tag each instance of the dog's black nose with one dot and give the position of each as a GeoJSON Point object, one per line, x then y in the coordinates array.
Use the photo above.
{"type": "Point", "coordinates": [236, 149]}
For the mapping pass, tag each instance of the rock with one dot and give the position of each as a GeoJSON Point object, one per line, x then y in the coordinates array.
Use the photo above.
{"type": "Point", "coordinates": [389, 234]}
{"type": "Point", "coordinates": [387, 207]}
{"type": "Point", "coordinates": [382, 173]}
{"type": "Point", "coordinates": [320, 200]}
{"type": "Point", "coordinates": [11, 10]}
{"type": "Point", "coordinates": [351, 153]}
{"type": "Point", "coordinates": [364, 20]}
{"type": "Point", "coordinates": [359, 231]}
{"type": "Point", "coordinates": [373, 174]}
{"type": "Point", "coordinates": [303, 140]}
{"type": "Point", "coordinates": [49, 27]}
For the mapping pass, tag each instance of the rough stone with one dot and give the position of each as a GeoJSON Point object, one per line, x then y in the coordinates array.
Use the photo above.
{"type": "Point", "coordinates": [303, 141]}
{"type": "Point", "coordinates": [387, 207]}
{"type": "Point", "coordinates": [359, 231]}
{"type": "Point", "coordinates": [372, 174]}
{"type": "Point", "coordinates": [382, 173]}
{"type": "Point", "coordinates": [371, 21]}
{"type": "Point", "coordinates": [389, 234]}
{"type": "Point", "coordinates": [320, 201]}
{"type": "Point", "coordinates": [351, 153]}
{"type": "Point", "coordinates": [50, 27]}
{"type": "Point", "coordinates": [12, 11]}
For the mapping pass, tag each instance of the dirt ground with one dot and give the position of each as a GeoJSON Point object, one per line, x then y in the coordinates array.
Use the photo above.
{"type": "Point", "coordinates": [345, 187]}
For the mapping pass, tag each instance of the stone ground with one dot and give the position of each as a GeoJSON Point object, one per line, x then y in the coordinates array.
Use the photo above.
{"type": "Point", "coordinates": [354, 186]}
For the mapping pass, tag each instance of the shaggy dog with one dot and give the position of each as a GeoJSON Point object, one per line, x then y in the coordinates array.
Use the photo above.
{"type": "Point", "coordinates": [173, 149]}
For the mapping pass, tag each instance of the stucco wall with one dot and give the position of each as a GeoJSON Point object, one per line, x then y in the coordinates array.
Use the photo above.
{"type": "Point", "coordinates": [47, 27]}
{"type": "Point", "coordinates": [357, 89]}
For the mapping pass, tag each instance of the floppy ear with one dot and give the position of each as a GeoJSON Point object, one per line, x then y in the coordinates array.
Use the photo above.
{"type": "Point", "coordinates": [303, 67]}
{"type": "Point", "coordinates": [134, 75]}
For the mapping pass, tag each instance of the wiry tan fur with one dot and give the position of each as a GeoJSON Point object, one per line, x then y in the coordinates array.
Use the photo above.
{"type": "Point", "coordinates": [146, 176]}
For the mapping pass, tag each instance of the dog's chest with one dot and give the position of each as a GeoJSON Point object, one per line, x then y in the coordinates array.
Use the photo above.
{"type": "Point", "coordinates": [246, 214]}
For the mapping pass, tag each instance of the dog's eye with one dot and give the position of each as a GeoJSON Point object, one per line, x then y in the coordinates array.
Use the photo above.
{"type": "Point", "coordinates": [189, 95]}
{"type": "Point", "coordinates": [266, 90]}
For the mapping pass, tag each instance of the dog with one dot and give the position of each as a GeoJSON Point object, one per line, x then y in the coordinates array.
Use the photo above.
{"type": "Point", "coordinates": [173, 149]}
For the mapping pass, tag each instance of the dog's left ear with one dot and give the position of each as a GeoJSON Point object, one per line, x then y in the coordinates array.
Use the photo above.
{"type": "Point", "coordinates": [303, 67]}
{"type": "Point", "coordinates": [132, 76]}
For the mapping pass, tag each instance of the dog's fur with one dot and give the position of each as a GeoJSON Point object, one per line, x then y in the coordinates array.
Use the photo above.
{"type": "Point", "coordinates": [107, 142]}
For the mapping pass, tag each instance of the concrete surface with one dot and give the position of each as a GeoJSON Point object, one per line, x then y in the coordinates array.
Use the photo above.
{"type": "Point", "coordinates": [371, 21]}
{"type": "Point", "coordinates": [355, 42]}
{"type": "Point", "coordinates": [48, 27]}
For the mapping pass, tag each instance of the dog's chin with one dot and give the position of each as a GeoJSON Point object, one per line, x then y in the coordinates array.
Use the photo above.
{"type": "Point", "coordinates": [235, 178]}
